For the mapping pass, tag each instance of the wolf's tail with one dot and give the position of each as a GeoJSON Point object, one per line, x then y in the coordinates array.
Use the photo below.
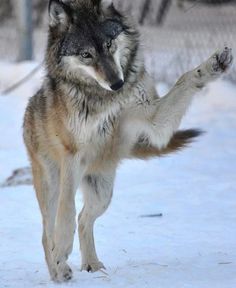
{"type": "Point", "coordinates": [179, 140]}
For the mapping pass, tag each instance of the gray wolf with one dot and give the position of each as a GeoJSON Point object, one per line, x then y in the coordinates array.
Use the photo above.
{"type": "Point", "coordinates": [97, 105]}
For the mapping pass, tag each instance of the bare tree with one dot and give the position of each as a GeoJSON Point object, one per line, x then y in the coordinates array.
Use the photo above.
{"type": "Point", "coordinates": [39, 8]}
{"type": "Point", "coordinates": [5, 10]}
{"type": "Point", "coordinates": [163, 9]}
{"type": "Point", "coordinates": [145, 11]}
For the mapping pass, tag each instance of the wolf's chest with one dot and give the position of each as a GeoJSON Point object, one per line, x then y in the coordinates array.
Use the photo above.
{"type": "Point", "coordinates": [94, 130]}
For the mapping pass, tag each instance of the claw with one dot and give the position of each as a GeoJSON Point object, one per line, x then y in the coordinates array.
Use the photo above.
{"type": "Point", "coordinates": [223, 60]}
{"type": "Point", "coordinates": [93, 267]}
{"type": "Point", "coordinates": [68, 276]}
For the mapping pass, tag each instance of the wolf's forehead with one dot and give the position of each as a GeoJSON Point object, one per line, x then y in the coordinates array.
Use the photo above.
{"type": "Point", "coordinates": [98, 31]}
{"type": "Point", "coordinates": [81, 38]}
{"type": "Point", "coordinates": [89, 33]}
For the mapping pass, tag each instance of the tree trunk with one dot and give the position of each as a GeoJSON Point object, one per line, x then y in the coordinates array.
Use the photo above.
{"type": "Point", "coordinates": [145, 10]}
{"type": "Point", "coordinates": [5, 10]}
{"type": "Point", "coordinates": [163, 9]}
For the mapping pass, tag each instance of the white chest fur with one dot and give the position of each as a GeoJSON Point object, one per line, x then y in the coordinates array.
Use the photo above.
{"type": "Point", "coordinates": [96, 129]}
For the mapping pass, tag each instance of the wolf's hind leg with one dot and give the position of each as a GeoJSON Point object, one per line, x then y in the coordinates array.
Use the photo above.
{"type": "Point", "coordinates": [97, 191]}
{"type": "Point", "coordinates": [46, 182]}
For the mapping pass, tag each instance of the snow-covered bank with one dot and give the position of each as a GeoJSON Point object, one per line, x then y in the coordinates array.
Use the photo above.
{"type": "Point", "coordinates": [191, 246]}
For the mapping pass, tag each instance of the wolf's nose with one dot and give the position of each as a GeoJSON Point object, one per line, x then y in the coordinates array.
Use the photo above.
{"type": "Point", "coordinates": [117, 85]}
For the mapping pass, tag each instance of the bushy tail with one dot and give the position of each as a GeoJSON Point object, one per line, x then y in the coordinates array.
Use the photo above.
{"type": "Point", "coordinates": [179, 140]}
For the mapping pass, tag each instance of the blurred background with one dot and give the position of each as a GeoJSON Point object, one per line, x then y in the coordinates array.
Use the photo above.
{"type": "Point", "coordinates": [177, 34]}
{"type": "Point", "coordinates": [173, 218]}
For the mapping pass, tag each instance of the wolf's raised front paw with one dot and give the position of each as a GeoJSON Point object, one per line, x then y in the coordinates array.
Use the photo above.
{"type": "Point", "coordinates": [92, 267]}
{"type": "Point", "coordinates": [212, 68]}
{"type": "Point", "coordinates": [222, 60]}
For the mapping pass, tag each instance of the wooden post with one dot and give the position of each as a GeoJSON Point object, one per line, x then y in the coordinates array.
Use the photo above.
{"type": "Point", "coordinates": [25, 29]}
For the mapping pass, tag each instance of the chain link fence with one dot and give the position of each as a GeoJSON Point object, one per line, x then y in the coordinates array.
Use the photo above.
{"type": "Point", "coordinates": [190, 31]}
{"type": "Point", "coordinates": [177, 34]}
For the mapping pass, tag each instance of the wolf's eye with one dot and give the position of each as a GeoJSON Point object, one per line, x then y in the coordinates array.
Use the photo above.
{"type": "Point", "coordinates": [86, 55]}
{"type": "Point", "coordinates": [109, 44]}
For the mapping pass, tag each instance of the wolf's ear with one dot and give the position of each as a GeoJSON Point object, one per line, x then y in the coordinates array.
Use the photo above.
{"type": "Point", "coordinates": [106, 4]}
{"type": "Point", "coordinates": [58, 13]}
{"type": "Point", "coordinates": [103, 4]}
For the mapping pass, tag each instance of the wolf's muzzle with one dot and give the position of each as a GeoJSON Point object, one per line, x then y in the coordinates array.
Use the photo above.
{"type": "Point", "coordinates": [118, 85]}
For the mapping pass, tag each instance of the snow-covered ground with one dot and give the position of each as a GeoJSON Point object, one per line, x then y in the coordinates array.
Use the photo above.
{"type": "Point", "coordinates": [193, 245]}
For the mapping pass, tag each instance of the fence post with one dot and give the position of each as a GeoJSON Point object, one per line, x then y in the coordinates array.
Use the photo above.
{"type": "Point", "coordinates": [25, 29]}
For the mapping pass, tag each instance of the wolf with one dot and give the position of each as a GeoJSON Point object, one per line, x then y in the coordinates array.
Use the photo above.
{"type": "Point", "coordinates": [97, 106]}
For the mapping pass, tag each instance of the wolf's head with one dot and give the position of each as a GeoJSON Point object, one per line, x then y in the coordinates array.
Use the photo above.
{"type": "Point", "coordinates": [90, 42]}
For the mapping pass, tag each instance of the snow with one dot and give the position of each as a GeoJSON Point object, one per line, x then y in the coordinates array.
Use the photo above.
{"type": "Point", "coordinates": [192, 245]}
{"type": "Point", "coordinates": [12, 154]}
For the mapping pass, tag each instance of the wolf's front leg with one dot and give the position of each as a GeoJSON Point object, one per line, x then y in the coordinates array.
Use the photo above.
{"type": "Point", "coordinates": [65, 218]}
{"type": "Point", "coordinates": [97, 191]}
{"type": "Point", "coordinates": [172, 107]}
